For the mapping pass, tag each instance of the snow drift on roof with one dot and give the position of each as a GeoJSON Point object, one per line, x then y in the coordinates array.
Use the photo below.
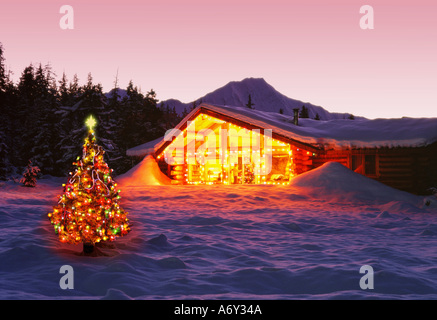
{"type": "Point", "coordinates": [339, 133]}
{"type": "Point", "coordinates": [364, 133]}
{"type": "Point", "coordinates": [144, 149]}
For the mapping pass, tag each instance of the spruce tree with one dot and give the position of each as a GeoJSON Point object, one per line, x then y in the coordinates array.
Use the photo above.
{"type": "Point", "coordinates": [154, 121]}
{"type": "Point", "coordinates": [88, 211]}
{"type": "Point", "coordinates": [30, 175]}
{"type": "Point", "coordinates": [4, 149]}
{"type": "Point", "coordinates": [74, 89]}
{"type": "Point", "coordinates": [24, 121]}
{"type": "Point", "coordinates": [4, 155]}
{"type": "Point", "coordinates": [113, 119]}
{"type": "Point", "coordinates": [304, 112]}
{"type": "Point", "coordinates": [45, 134]}
{"type": "Point", "coordinates": [2, 76]}
{"type": "Point", "coordinates": [249, 103]}
{"type": "Point", "coordinates": [131, 133]}
{"type": "Point", "coordinates": [63, 92]}
{"type": "Point", "coordinates": [193, 105]}
{"type": "Point", "coordinates": [10, 144]}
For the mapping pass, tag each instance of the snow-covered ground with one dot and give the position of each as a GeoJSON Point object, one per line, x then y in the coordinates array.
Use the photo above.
{"type": "Point", "coordinates": [304, 241]}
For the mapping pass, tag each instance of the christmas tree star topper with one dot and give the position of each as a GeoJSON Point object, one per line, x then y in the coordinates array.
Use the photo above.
{"type": "Point", "coordinates": [91, 122]}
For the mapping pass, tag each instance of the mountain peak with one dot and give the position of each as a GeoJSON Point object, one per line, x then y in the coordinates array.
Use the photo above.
{"type": "Point", "coordinates": [252, 80]}
{"type": "Point", "coordinates": [253, 83]}
{"type": "Point", "coordinates": [263, 96]}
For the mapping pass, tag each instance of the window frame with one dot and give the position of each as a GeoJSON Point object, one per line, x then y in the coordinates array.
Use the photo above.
{"type": "Point", "coordinates": [362, 156]}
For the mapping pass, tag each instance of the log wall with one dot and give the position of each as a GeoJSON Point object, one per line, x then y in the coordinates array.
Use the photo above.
{"type": "Point", "coordinates": [410, 169]}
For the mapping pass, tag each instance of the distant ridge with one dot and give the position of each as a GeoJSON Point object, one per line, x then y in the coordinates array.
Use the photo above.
{"type": "Point", "coordinates": [263, 95]}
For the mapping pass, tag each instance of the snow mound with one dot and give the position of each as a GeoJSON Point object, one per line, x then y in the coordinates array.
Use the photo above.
{"type": "Point", "coordinates": [146, 172]}
{"type": "Point", "coordinates": [337, 182]}
{"type": "Point", "coordinates": [384, 214]}
{"type": "Point", "coordinates": [160, 241]}
{"type": "Point", "coordinates": [114, 294]}
{"type": "Point", "coordinates": [400, 206]}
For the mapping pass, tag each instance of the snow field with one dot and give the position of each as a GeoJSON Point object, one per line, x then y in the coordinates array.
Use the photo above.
{"type": "Point", "coordinates": [304, 241]}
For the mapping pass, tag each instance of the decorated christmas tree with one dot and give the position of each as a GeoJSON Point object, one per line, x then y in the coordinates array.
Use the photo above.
{"type": "Point", "coordinates": [88, 211]}
{"type": "Point", "coordinates": [249, 176]}
{"type": "Point", "coordinates": [29, 175]}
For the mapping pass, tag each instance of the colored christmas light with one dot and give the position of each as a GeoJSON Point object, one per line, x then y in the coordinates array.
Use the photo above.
{"type": "Point", "coordinates": [88, 211]}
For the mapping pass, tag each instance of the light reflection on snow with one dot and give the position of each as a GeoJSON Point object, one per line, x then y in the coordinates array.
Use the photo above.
{"type": "Point", "coordinates": [250, 242]}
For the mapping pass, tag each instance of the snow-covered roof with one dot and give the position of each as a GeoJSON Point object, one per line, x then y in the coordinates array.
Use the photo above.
{"type": "Point", "coordinates": [145, 149]}
{"type": "Point", "coordinates": [339, 133]}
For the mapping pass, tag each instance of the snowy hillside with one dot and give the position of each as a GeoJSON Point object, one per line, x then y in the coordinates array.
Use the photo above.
{"type": "Point", "coordinates": [263, 95]}
{"type": "Point", "coordinates": [121, 93]}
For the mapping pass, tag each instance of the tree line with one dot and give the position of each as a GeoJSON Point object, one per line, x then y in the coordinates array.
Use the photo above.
{"type": "Point", "coordinates": [42, 120]}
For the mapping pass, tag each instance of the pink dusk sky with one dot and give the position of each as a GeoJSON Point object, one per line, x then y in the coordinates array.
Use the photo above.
{"type": "Point", "coordinates": [312, 50]}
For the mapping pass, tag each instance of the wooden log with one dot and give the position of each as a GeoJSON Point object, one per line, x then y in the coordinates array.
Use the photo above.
{"type": "Point", "coordinates": [177, 182]}
{"type": "Point", "coordinates": [396, 170]}
{"type": "Point", "coordinates": [178, 177]}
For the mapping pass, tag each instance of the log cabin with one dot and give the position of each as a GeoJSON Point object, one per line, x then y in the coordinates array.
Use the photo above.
{"type": "Point", "coordinates": [235, 145]}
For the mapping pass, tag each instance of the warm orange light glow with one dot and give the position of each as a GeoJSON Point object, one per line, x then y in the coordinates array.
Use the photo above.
{"type": "Point", "coordinates": [213, 151]}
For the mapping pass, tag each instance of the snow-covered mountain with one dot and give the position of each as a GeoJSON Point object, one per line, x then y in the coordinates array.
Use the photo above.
{"type": "Point", "coordinates": [121, 93]}
{"type": "Point", "coordinates": [263, 96]}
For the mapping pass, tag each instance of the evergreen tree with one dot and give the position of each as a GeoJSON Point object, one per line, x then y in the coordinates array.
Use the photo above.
{"type": "Point", "coordinates": [249, 103]}
{"type": "Point", "coordinates": [2, 77]}
{"type": "Point", "coordinates": [4, 156]}
{"type": "Point", "coordinates": [80, 102]}
{"type": "Point", "coordinates": [112, 120]}
{"type": "Point", "coordinates": [24, 121]}
{"type": "Point", "coordinates": [133, 109]}
{"type": "Point", "coordinates": [154, 121]}
{"type": "Point", "coordinates": [317, 117]}
{"type": "Point", "coordinates": [30, 175]}
{"type": "Point", "coordinates": [44, 131]}
{"type": "Point", "coordinates": [114, 99]}
{"type": "Point", "coordinates": [27, 87]}
{"type": "Point", "coordinates": [304, 112]}
{"type": "Point", "coordinates": [351, 117]}
{"type": "Point", "coordinates": [92, 99]}
{"type": "Point", "coordinates": [281, 111]}
{"type": "Point", "coordinates": [74, 89]}
{"type": "Point", "coordinates": [4, 120]}
{"type": "Point", "coordinates": [170, 117]}
{"type": "Point", "coordinates": [151, 100]}
{"type": "Point", "coordinates": [63, 91]}
{"type": "Point", "coordinates": [193, 105]}
{"type": "Point", "coordinates": [8, 121]}
{"type": "Point", "coordinates": [41, 119]}
{"type": "Point", "coordinates": [88, 211]}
